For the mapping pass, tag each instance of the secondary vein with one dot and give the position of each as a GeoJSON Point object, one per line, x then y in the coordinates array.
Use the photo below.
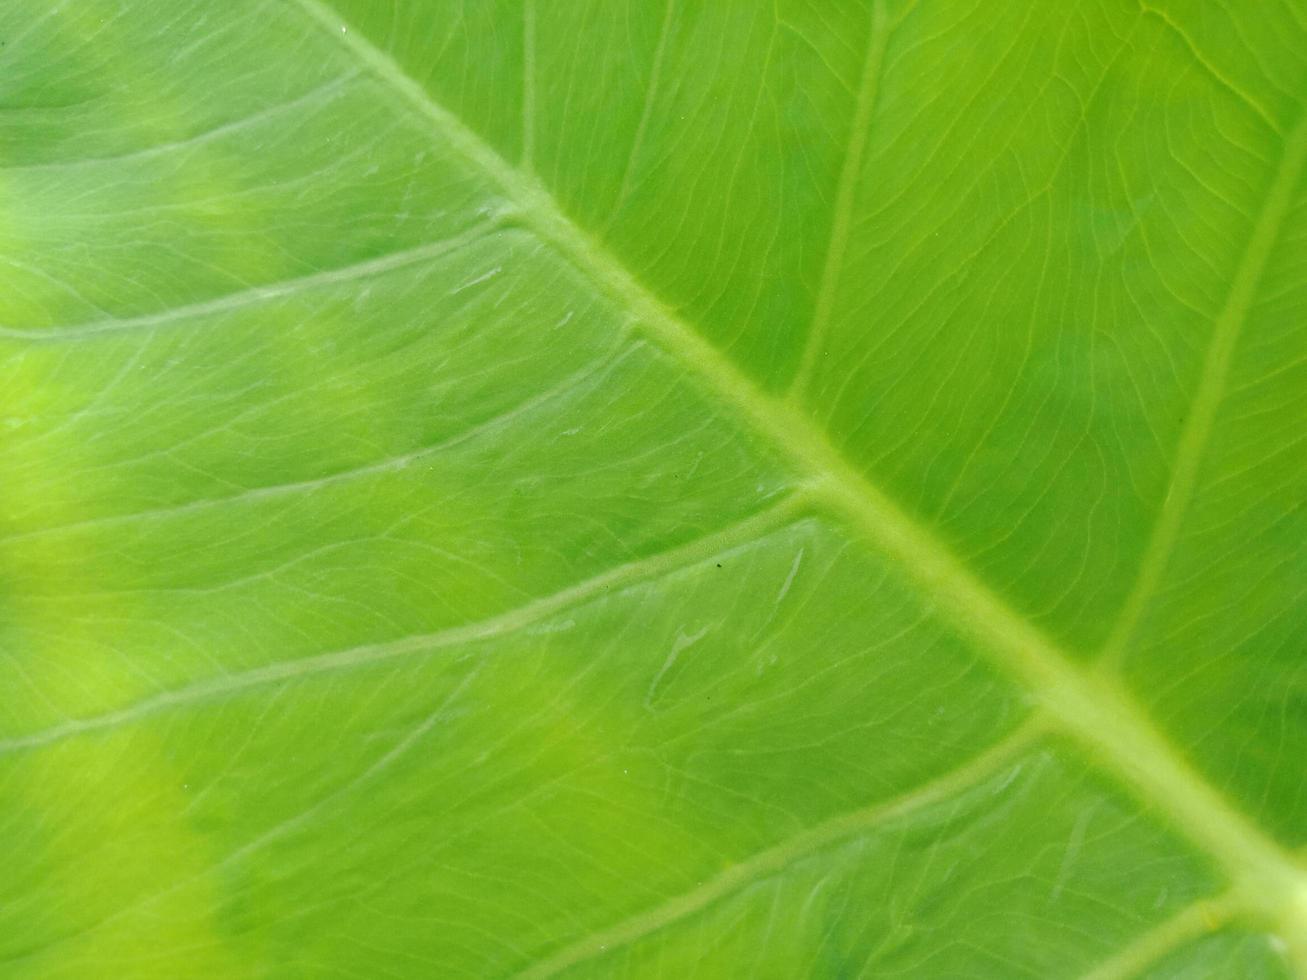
{"type": "Point", "coordinates": [611, 581]}
{"type": "Point", "coordinates": [1197, 430]}
{"type": "Point", "coordinates": [528, 85]}
{"type": "Point", "coordinates": [262, 292]}
{"type": "Point", "coordinates": [1001, 757]}
{"type": "Point", "coordinates": [845, 194]}
{"type": "Point", "coordinates": [1191, 923]}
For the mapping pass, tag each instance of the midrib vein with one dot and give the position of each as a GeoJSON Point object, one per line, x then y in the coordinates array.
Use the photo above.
{"type": "Point", "coordinates": [1092, 709]}
{"type": "Point", "coordinates": [1197, 430]}
{"type": "Point", "coordinates": [845, 194]}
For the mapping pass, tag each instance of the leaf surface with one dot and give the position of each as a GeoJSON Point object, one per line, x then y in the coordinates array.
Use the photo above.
{"type": "Point", "coordinates": [528, 488]}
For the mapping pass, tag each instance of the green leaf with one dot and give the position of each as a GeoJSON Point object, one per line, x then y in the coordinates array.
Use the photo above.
{"type": "Point", "coordinates": [625, 488]}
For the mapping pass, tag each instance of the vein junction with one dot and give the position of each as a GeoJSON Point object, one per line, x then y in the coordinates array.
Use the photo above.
{"type": "Point", "coordinates": [1099, 714]}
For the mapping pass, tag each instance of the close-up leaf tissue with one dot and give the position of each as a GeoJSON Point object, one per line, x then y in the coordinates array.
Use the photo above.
{"type": "Point", "coordinates": [653, 489]}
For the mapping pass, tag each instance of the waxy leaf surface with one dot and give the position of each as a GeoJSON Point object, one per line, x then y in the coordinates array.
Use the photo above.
{"type": "Point", "coordinates": [653, 488]}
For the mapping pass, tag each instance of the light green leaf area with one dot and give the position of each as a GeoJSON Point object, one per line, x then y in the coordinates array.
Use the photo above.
{"type": "Point", "coordinates": [653, 488]}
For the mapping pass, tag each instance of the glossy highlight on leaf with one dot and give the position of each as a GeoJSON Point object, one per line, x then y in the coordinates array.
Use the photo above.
{"type": "Point", "coordinates": [650, 488]}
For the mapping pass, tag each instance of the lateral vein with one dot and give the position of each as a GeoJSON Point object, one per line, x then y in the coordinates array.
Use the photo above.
{"type": "Point", "coordinates": [775, 859]}
{"type": "Point", "coordinates": [1212, 71]}
{"type": "Point", "coordinates": [1191, 923]}
{"type": "Point", "coordinates": [1197, 430]}
{"type": "Point", "coordinates": [262, 293]}
{"type": "Point", "coordinates": [718, 542]}
{"type": "Point", "coordinates": [846, 191]}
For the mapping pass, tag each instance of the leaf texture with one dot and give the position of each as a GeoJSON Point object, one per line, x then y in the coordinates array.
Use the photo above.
{"type": "Point", "coordinates": [638, 489]}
